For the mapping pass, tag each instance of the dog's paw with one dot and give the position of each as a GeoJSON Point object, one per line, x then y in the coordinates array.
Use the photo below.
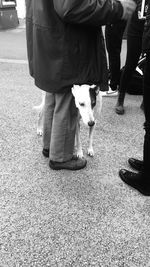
{"type": "Point", "coordinates": [39, 132]}
{"type": "Point", "coordinates": [90, 152]}
{"type": "Point", "coordinates": [79, 154]}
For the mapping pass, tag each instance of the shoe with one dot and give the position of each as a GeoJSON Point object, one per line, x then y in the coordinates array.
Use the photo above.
{"type": "Point", "coordinates": [110, 92]}
{"type": "Point", "coordinates": [45, 152]}
{"type": "Point", "coordinates": [136, 164]}
{"type": "Point", "coordinates": [119, 109]}
{"type": "Point", "coordinates": [73, 164]}
{"type": "Point", "coordinates": [135, 180]}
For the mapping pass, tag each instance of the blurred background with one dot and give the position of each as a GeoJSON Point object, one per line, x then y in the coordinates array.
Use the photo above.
{"type": "Point", "coordinates": [12, 12]}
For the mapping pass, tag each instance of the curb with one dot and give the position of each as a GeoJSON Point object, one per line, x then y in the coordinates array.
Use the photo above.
{"type": "Point", "coordinates": [13, 61]}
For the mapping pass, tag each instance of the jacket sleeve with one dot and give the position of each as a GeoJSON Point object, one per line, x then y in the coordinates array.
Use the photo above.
{"type": "Point", "coordinates": [91, 12]}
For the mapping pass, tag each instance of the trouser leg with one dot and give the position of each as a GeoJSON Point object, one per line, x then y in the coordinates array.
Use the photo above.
{"type": "Point", "coordinates": [134, 47]}
{"type": "Point", "coordinates": [48, 119]}
{"type": "Point", "coordinates": [63, 128]}
{"type": "Point", "coordinates": [113, 36]}
{"type": "Point", "coordinates": [146, 153]}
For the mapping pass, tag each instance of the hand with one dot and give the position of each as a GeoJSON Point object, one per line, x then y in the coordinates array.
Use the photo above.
{"type": "Point", "coordinates": [128, 8]}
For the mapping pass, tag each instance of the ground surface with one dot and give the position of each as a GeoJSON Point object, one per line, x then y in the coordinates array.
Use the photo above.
{"type": "Point", "coordinates": [62, 218]}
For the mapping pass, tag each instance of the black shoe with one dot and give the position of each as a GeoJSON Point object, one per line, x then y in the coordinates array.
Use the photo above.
{"type": "Point", "coordinates": [136, 164]}
{"type": "Point", "coordinates": [119, 109]}
{"type": "Point", "coordinates": [73, 164]}
{"type": "Point", "coordinates": [45, 152]}
{"type": "Point", "coordinates": [136, 180]}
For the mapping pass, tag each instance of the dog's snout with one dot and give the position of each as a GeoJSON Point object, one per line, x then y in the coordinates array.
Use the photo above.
{"type": "Point", "coordinates": [91, 123]}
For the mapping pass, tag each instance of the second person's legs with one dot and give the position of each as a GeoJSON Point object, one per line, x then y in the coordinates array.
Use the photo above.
{"type": "Point", "coordinates": [134, 47]}
{"type": "Point", "coordinates": [141, 180]}
{"type": "Point", "coordinates": [113, 35]}
{"type": "Point", "coordinates": [146, 152]}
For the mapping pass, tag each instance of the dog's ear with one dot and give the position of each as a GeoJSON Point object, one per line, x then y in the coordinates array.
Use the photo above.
{"type": "Point", "coordinates": [96, 88]}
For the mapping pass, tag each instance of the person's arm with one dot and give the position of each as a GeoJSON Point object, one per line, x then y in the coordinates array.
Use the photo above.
{"type": "Point", "coordinates": [93, 12]}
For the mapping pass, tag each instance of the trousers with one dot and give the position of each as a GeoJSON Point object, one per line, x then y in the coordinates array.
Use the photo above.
{"type": "Point", "coordinates": [146, 98]}
{"type": "Point", "coordinates": [113, 35]}
{"type": "Point", "coordinates": [134, 49]}
{"type": "Point", "coordinates": [60, 117]}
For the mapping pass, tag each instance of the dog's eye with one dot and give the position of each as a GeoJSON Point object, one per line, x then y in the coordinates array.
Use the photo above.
{"type": "Point", "coordinates": [82, 104]}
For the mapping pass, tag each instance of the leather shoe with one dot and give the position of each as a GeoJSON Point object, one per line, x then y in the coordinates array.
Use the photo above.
{"type": "Point", "coordinates": [119, 109]}
{"type": "Point", "coordinates": [45, 152]}
{"type": "Point", "coordinates": [136, 164]}
{"type": "Point", "coordinates": [74, 164]}
{"type": "Point", "coordinates": [136, 180]}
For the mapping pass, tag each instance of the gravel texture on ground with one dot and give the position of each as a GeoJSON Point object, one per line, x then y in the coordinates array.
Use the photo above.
{"type": "Point", "coordinates": [63, 218]}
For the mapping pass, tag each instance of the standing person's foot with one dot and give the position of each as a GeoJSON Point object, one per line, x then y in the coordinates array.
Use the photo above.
{"type": "Point", "coordinates": [73, 164]}
{"type": "Point", "coordinates": [136, 164]}
{"type": "Point", "coordinates": [110, 92]}
{"type": "Point", "coordinates": [119, 109]}
{"type": "Point", "coordinates": [136, 180]}
{"type": "Point", "coordinates": [45, 152]}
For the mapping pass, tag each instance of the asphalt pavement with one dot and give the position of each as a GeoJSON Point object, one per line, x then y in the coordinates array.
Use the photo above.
{"type": "Point", "coordinates": [62, 218]}
{"type": "Point", "coordinates": [13, 43]}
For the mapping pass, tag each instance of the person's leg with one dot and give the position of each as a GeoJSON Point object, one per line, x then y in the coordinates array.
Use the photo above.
{"type": "Point", "coordinates": [141, 180]}
{"type": "Point", "coordinates": [113, 36]}
{"type": "Point", "coordinates": [48, 119]}
{"type": "Point", "coordinates": [134, 47]}
{"type": "Point", "coordinates": [146, 99]}
{"type": "Point", "coordinates": [63, 128]}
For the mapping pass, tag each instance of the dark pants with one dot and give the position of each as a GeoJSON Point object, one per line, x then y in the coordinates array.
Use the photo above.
{"type": "Point", "coordinates": [146, 88]}
{"type": "Point", "coordinates": [113, 36]}
{"type": "Point", "coordinates": [134, 48]}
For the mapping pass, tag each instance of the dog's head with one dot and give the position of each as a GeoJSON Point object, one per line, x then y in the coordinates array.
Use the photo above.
{"type": "Point", "coordinates": [85, 100]}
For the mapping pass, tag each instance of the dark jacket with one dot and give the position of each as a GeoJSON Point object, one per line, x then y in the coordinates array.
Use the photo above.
{"type": "Point", "coordinates": [65, 43]}
{"type": "Point", "coordinates": [146, 34]}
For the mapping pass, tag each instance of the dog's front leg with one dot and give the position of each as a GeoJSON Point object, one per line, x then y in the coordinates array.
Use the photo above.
{"type": "Point", "coordinates": [90, 148]}
{"type": "Point", "coordinates": [40, 123]}
{"type": "Point", "coordinates": [79, 150]}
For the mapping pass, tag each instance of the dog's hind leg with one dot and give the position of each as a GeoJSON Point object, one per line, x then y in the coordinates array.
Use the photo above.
{"type": "Point", "coordinates": [40, 123]}
{"type": "Point", "coordinates": [40, 110]}
{"type": "Point", "coordinates": [90, 147]}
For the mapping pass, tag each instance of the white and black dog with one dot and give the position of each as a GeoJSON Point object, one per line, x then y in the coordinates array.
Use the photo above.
{"type": "Point", "coordinates": [86, 97]}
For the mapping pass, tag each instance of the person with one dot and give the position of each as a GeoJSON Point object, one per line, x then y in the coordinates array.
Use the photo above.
{"type": "Point", "coordinates": [134, 49]}
{"type": "Point", "coordinates": [65, 46]}
{"type": "Point", "coordinates": [141, 180]}
{"type": "Point", "coordinates": [113, 37]}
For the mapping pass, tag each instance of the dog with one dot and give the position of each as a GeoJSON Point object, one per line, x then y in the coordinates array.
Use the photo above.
{"type": "Point", "coordinates": [86, 97]}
